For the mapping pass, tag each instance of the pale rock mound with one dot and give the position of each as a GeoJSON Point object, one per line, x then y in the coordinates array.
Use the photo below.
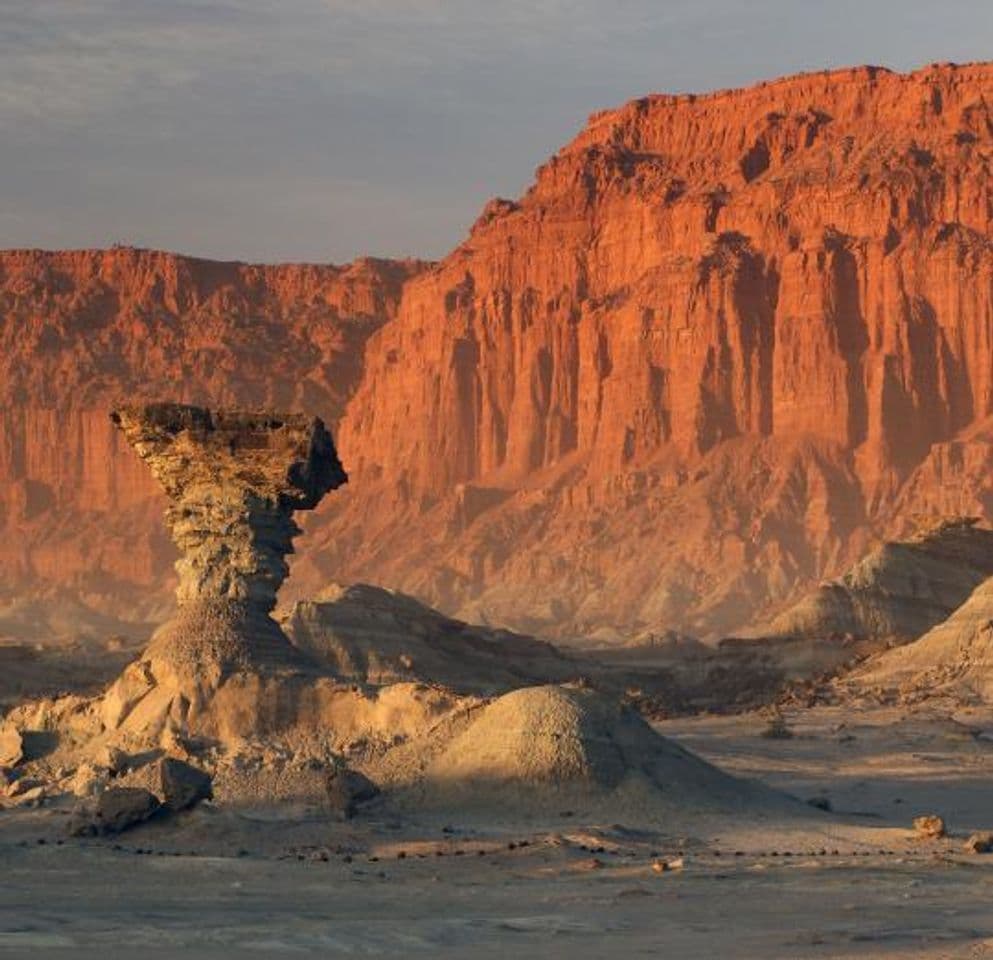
{"type": "Point", "coordinates": [899, 591]}
{"type": "Point", "coordinates": [367, 634]}
{"type": "Point", "coordinates": [955, 657]}
{"type": "Point", "coordinates": [551, 749]}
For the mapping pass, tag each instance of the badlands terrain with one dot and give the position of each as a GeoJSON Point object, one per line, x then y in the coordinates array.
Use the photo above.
{"type": "Point", "coordinates": [623, 581]}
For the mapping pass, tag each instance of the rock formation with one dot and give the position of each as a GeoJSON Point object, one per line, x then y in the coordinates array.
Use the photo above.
{"type": "Point", "coordinates": [366, 634]}
{"type": "Point", "coordinates": [721, 346]}
{"type": "Point", "coordinates": [695, 365]}
{"type": "Point", "coordinates": [234, 481]}
{"type": "Point", "coordinates": [955, 658]}
{"type": "Point", "coordinates": [548, 749]}
{"type": "Point", "coordinates": [81, 516]}
{"type": "Point", "coordinates": [899, 591]}
{"type": "Point", "coordinates": [222, 684]}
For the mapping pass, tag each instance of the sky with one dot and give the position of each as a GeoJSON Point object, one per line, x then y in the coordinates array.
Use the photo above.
{"type": "Point", "coordinates": [321, 130]}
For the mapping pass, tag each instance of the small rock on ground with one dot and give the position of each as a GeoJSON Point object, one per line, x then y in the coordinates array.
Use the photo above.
{"type": "Point", "coordinates": [930, 827]}
{"type": "Point", "coordinates": [115, 811]}
{"type": "Point", "coordinates": [347, 789]}
{"type": "Point", "coordinates": [981, 842]}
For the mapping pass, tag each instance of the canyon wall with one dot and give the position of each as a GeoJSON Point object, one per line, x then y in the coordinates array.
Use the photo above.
{"type": "Point", "coordinates": [721, 345]}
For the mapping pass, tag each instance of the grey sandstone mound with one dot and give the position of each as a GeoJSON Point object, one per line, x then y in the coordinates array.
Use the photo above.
{"type": "Point", "coordinates": [954, 658]}
{"type": "Point", "coordinates": [368, 634]}
{"type": "Point", "coordinates": [899, 591]}
{"type": "Point", "coordinates": [554, 749]}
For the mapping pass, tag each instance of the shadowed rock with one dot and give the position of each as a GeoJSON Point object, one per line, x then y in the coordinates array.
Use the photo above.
{"type": "Point", "coordinates": [899, 591]}
{"type": "Point", "coordinates": [182, 785]}
{"type": "Point", "coordinates": [116, 810]}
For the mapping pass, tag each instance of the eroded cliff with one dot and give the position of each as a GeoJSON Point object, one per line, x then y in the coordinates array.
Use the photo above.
{"type": "Point", "coordinates": [696, 364]}
{"type": "Point", "coordinates": [721, 346]}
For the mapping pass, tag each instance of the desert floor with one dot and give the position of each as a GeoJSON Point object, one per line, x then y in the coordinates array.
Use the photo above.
{"type": "Point", "coordinates": [852, 883]}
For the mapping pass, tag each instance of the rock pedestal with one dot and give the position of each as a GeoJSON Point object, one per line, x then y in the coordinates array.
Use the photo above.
{"type": "Point", "coordinates": [234, 480]}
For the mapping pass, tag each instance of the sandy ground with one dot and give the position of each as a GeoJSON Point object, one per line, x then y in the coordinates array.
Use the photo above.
{"type": "Point", "coordinates": [853, 883]}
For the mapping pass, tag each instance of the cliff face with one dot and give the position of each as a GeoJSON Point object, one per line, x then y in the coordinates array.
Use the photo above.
{"type": "Point", "coordinates": [696, 362]}
{"type": "Point", "coordinates": [720, 345]}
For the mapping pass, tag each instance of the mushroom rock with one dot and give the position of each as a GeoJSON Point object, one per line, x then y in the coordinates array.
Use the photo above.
{"type": "Point", "coordinates": [234, 480]}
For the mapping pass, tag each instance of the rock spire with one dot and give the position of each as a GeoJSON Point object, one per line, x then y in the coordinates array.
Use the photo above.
{"type": "Point", "coordinates": [234, 480]}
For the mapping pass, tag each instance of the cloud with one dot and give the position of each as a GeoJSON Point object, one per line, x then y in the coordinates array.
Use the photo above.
{"type": "Point", "coordinates": [329, 128]}
{"type": "Point", "coordinates": [66, 61]}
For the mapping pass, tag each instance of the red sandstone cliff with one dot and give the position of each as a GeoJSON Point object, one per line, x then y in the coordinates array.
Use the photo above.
{"type": "Point", "coordinates": [721, 343]}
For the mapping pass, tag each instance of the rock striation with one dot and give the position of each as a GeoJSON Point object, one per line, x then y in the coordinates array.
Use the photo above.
{"type": "Point", "coordinates": [722, 345]}
{"type": "Point", "coordinates": [234, 481]}
{"type": "Point", "coordinates": [365, 634]}
{"type": "Point", "coordinates": [81, 516]}
{"type": "Point", "coordinates": [954, 658]}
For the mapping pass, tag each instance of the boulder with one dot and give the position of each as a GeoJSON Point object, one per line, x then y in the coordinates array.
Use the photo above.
{"type": "Point", "coordinates": [981, 842]}
{"type": "Point", "coordinates": [11, 746]}
{"type": "Point", "coordinates": [347, 790]}
{"type": "Point", "coordinates": [183, 785]}
{"type": "Point", "coordinates": [112, 759]}
{"type": "Point", "coordinates": [88, 780]}
{"type": "Point", "coordinates": [929, 827]}
{"type": "Point", "coordinates": [116, 810]}
{"type": "Point", "coordinates": [31, 796]}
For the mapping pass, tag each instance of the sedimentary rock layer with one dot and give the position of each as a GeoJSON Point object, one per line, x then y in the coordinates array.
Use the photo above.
{"type": "Point", "coordinates": [720, 347]}
{"type": "Point", "coordinates": [234, 481]}
{"type": "Point", "coordinates": [697, 362]}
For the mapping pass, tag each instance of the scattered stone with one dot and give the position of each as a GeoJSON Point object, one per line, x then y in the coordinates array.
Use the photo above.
{"type": "Point", "coordinates": [347, 790]}
{"type": "Point", "coordinates": [112, 759]}
{"type": "Point", "coordinates": [115, 811]}
{"type": "Point", "coordinates": [981, 842]}
{"type": "Point", "coordinates": [183, 785]}
{"type": "Point", "coordinates": [18, 788]}
{"type": "Point", "coordinates": [33, 796]}
{"type": "Point", "coordinates": [88, 780]}
{"type": "Point", "coordinates": [929, 827]}
{"type": "Point", "coordinates": [174, 743]}
{"type": "Point", "coordinates": [11, 746]}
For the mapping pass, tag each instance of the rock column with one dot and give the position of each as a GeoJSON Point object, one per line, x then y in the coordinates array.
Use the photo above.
{"type": "Point", "coordinates": [234, 480]}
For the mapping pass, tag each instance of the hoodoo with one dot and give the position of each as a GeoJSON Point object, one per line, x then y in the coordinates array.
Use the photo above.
{"type": "Point", "coordinates": [235, 480]}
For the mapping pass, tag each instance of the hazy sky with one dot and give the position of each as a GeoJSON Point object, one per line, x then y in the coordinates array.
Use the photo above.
{"type": "Point", "coordinates": [323, 129]}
